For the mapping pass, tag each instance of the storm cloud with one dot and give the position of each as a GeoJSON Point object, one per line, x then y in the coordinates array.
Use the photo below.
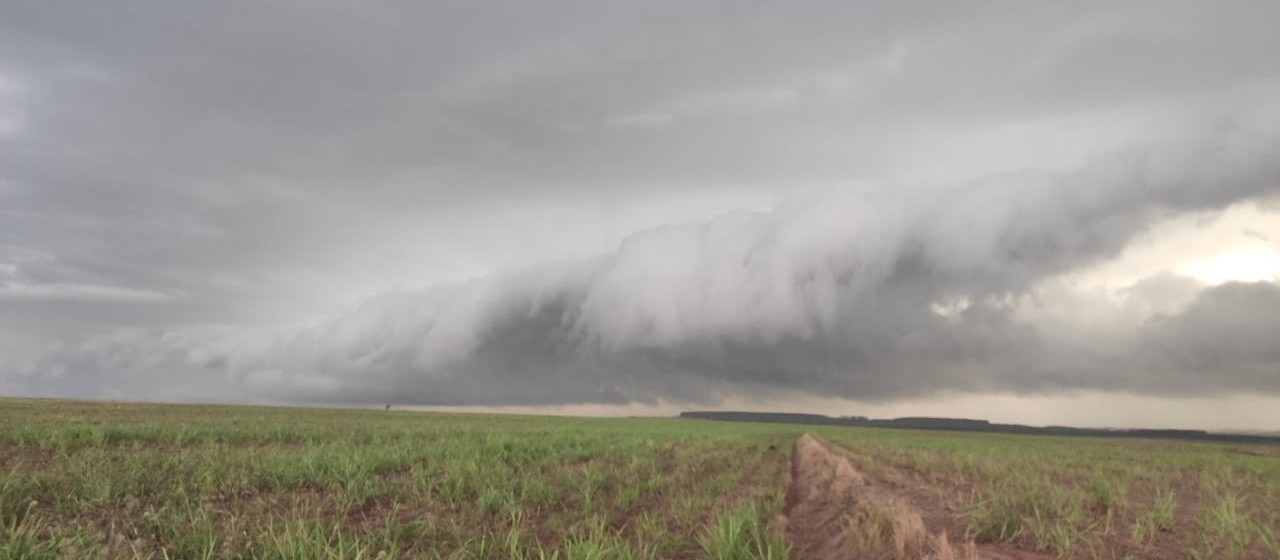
{"type": "Point", "coordinates": [838, 295]}
{"type": "Point", "coordinates": [584, 202]}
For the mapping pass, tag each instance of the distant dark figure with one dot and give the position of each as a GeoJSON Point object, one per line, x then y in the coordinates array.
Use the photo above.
{"type": "Point", "coordinates": [388, 407]}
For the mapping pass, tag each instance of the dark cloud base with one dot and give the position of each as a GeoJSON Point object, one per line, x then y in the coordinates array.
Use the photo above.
{"type": "Point", "coordinates": [834, 297]}
{"type": "Point", "coordinates": [173, 177]}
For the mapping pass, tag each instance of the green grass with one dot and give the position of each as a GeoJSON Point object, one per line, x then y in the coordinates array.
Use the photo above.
{"type": "Point", "coordinates": [1088, 497]}
{"type": "Point", "coordinates": [741, 535]}
{"type": "Point", "coordinates": [106, 480]}
{"type": "Point", "coordinates": [156, 481]}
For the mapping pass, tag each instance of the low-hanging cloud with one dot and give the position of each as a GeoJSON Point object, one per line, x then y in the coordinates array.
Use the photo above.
{"type": "Point", "coordinates": [850, 294]}
{"type": "Point", "coordinates": [838, 295]}
{"type": "Point", "coordinates": [182, 186]}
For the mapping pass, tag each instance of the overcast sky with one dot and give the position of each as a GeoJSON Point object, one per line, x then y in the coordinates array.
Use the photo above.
{"type": "Point", "coordinates": [886, 206]}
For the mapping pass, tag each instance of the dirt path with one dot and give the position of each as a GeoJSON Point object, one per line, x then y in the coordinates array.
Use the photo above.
{"type": "Point", "coordinates": [833, 512]}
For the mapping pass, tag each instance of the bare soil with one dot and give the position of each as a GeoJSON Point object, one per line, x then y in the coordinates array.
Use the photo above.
{"type": "Point", "coordinates": [834, 512]}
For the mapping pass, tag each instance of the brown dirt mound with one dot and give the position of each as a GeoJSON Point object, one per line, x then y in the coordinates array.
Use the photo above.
{"type": "Point", "coordinates": [832, 512]}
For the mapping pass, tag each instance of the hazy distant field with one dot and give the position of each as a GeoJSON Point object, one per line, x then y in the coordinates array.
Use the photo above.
{"type": "Point", "coordinates": [80, 480]}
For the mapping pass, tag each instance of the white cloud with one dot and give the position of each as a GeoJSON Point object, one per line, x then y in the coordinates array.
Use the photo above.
{"type": "Point", "coordinates": [1212, 246]}
{"type": "Point", "coordinates": [81, 293]}
{"type": "Point", "coordinates": [928, 153]}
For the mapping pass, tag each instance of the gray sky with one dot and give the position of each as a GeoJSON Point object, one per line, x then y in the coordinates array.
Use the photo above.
{"type": "Point", "coordinates": [644, 204]}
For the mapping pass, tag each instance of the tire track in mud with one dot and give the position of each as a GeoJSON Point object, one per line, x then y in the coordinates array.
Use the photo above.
{"type": "Point", "coordinates": [833, 512]}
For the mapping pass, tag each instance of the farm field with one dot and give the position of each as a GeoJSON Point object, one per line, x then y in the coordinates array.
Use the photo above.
{"type": "Point", "coordinates": [1080, 497]}
{"type": "Point", "coordinates": [107, 480]}
{"type": "Point", "coordinates": [152, 481]}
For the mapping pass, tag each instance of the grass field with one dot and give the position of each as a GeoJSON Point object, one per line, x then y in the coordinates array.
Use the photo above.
{"type": "Point", "coordinates": [101, 480]}
{"type": "Point", "coordinates": [150, 481]}
{"type": "Point", "coordinates": [1084, 497]}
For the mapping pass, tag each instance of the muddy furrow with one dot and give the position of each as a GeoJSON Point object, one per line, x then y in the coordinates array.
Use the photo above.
{"type": "Point", "coordinates": [833, 512]}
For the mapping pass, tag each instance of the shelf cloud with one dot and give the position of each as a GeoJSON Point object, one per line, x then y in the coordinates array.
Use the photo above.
{"type": "Point", "coordinates": [837, 295]}
{"type": "Point", "coordinates": [579, 203]}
